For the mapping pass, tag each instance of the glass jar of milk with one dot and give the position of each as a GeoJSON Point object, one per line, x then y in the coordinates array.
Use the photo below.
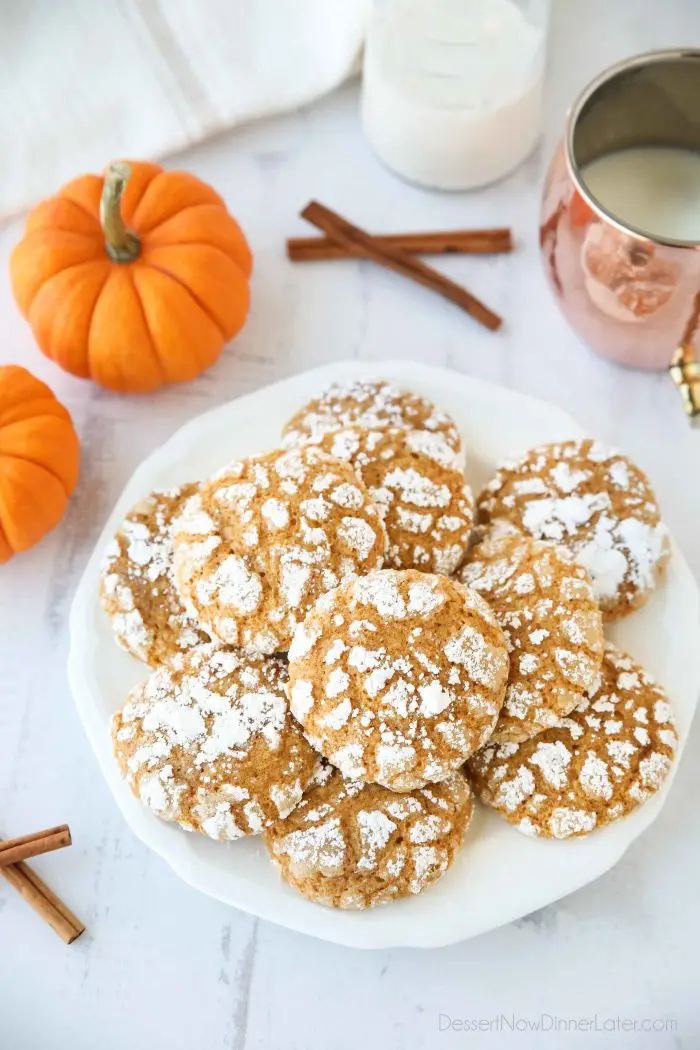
{"type": "Point", "coordinates": [452, 89]}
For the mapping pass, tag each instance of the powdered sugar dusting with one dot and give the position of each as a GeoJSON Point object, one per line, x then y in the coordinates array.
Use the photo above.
{"type": "Point", "coordinates": [380, 590]}
{"type": "Point", "coordinates": [236, 585]}
{"type": "Point", "coordinates": [317, 848]}
{"type": "Point", "coordinates": [470, 650]}
{"type": "Point", "coordinates": [435, 447]}
{"type": "Point", "coordinates": [417, 483]}
{"type": "Point", "coordinates": [416, 489]}
{"type": "Point", "coordinates": [546, 606]}
{"type": "Point", "coordinates": [434, 699]}
{"type": "Point", "coordinates": [513, 792]}
{"type": "Point", "coordinates": [137, 589]}
{"type": "Point", "coordinates": [368, 404]}
{"type": "Point", "coordinates": [355, 846]}
{"type": "Point", "coordinates": [566, 822]}
{"type": "Point", "coordinates": [207, 742]}
{"type": "Point", "coordinates": [278, 531]}
{"type": "Point", "coordinates": [359, 535]}
{"type": "Point", "coordinates": [553, 759]}
{"type": "Point", "coordinates": [404, 680]}
{"type": "Point", "coordinates": [596, 502]}
{"type": "Point", "coordinates": [601, 762]}
{"type": "Point", "coordinates": [375, 831]}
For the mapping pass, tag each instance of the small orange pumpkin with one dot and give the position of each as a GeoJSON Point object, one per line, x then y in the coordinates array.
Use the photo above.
{"type": "Point", "coordinates": [134, 279]}
{"type": "Point", "coordinates": [39, 458]}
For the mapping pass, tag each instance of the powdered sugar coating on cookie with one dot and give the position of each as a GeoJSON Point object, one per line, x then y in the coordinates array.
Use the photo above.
{"type": "Point", "coordinates": [259, 542]}
{"type": "Point", "coordinates": [397, 677]}
{"type": "Point", "coordinates": [353, 845]}
{"type": "Point", "coordinates": [545, 604]}
{"type": "Point", "coordinates": [208, 742]}
{"type": "Point", "coordinates": [597, 503]}
{"type": "Point", "coordinates": [371, 404]}
{"type": "Point", "coordinates": [137, 590]}
{"type": "Point", "coordinates": [417, 482]}
{"type": "Point", "coordinates": [604, 760]}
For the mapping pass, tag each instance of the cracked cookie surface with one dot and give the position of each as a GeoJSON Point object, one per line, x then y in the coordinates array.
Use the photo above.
{"type": "Point", "coordinates": [208, 742]}
{"type": "Point", "coordinates": [398, 676]}
{"type": "Point", "coordinates": [371, 404]}
{"type": "Point", "coordinates": [603, 761]}
{"type": "Point", "coordinates": [137, 589]}
{"type": "Point", "coordinates": [417, 482]}
{"type": "Point", "coordinates": [260, 541]}
{"type": "Point", "coordinates": [353, 845]}
{"type": "Point", "coordinates": [545, 604]}
{"type": "Point", "coordinates": [596, 502]}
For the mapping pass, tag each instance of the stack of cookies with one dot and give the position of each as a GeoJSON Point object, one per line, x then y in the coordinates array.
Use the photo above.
{"type": "Point", "coordinates": [343, 658]}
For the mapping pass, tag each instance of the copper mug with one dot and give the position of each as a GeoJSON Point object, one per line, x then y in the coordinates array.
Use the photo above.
{"type": "Point", "coordinates": [630, 295]}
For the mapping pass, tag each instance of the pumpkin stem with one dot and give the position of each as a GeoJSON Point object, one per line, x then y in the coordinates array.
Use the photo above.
{"type": "Point", "coordinates": [122, 245]}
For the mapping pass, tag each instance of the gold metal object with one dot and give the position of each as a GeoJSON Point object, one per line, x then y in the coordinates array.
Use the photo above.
{"type": "Point", "coordinates": [685, 372]}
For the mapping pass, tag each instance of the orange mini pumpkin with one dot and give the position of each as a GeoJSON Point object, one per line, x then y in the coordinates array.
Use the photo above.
{"type": "Point", "coordinates": [134, 279]}
{"type": "Point", "coordinates": [39, 458]}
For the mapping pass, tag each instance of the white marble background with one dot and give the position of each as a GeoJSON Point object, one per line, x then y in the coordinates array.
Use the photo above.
{"type": "Point", "coordinates": [162, 966]}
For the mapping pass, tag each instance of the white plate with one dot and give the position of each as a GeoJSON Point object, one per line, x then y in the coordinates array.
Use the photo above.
{"type": "Point", "coordinates": [500, 874]}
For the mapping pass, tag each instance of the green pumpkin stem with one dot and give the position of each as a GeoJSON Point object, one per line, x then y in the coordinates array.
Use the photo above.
{"type": "Point", "coordinates": [122, 245]}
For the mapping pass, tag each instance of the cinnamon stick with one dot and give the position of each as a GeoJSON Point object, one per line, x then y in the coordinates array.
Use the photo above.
{"type": "Point", "coordinates": [14, 850]}
{"type": "Point", "coordinates": [439, 242]}
{"type": "Point", "coordinates": [44, 902]}
{"type": "Point", "coordinates": [360, 244]}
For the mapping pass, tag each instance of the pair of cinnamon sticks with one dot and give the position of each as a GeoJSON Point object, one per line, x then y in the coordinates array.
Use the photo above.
{"type": "Point", "coordinates": [14, 853]}
{"type": "Point", "coordinates": [396, 252]}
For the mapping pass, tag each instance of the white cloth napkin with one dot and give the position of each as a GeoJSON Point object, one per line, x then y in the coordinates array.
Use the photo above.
{"type": "Point", "coordinates": [85, 81]}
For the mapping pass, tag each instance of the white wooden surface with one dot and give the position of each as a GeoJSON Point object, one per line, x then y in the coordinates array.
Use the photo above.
{"type": "Point", "coordinates": [162, 966]}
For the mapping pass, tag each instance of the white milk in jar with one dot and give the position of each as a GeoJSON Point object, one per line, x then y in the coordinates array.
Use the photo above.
{"type": "Point", "coordinates": [452, 89]}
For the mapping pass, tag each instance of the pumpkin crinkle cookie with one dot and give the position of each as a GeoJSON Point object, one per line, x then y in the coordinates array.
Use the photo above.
{"type": "Point", "coordinates": [264, 538]}
{"type": "Point", "coordinates": [208, 742]}
{"type": "Point", "coordinates": [354, 845]}
{"type": "Point", "coordinates": [397, 677]}
{"type": "Point", "coordinates": [545, 604]}
{"type": "Point", "coordinates": [370, 404]}
{"type": "Point", "coordinates": [417, 482]}
{"type": "Point", "coordinates": [603, 761]}
{"type": "Point", "coordinates": [137, 590]}
{"type": "Point", "coordinates": [594, 501]}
